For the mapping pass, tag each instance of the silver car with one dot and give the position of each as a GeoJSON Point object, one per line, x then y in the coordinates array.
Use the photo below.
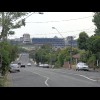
{"type": "Point", "coordinates": [14, 68]}
{"type": "Point", "coordinates": [82, 66]}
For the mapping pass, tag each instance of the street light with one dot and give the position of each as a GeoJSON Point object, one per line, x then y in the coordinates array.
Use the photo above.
{"type": "Point", "coordinates": [32, 14]}
{"type": "Point", "coordinates": [41, 13]}
{"type": "Point", "coordinates": [71, 45]}
{"type": "Point", "coordinates": [58, 31]}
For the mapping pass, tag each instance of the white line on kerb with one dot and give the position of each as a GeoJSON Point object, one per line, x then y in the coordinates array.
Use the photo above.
{"type": "Point", "coordinates": [45, 77]}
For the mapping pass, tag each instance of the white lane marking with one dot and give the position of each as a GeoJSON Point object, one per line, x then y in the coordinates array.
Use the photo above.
{"type": "Point", "coordinates": [86, 77]}
{"type": "Point", "coordinates": [46, 82]}
{"type": "Point", "coordinates": [81, 76]}
{"type": "Point", "coordinates": [47, 78]}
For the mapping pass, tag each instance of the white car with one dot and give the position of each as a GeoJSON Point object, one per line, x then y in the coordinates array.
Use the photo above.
{"type": "Point", "coordinates": [82, 66]}
{"type": "Point", "coordinates": [44, 65]}
{"type": "Point", "coordinates": [14, 68]}
{"type": "Point", "coordinates": [29, 64]}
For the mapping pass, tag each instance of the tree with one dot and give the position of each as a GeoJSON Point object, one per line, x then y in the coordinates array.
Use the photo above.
{"type": "Point", "coordinates": [43, 54]}
{"type": "Point", "coordinates": [82, 40]}
{"type": "Point", "coordinates": [92, 61]}
{"type": "Point", "coordinates": [84, 55]}
{"type": "Point", "coordinates": [9, 21]}
{"type": "Point", "coordinates": [9, 53]}
{"type": "Point", "coordinates": [64, 55]}
{"type": "Point", "coordinates": [96, 21]}
{"type": "Point", "coordinates": [93, 44]}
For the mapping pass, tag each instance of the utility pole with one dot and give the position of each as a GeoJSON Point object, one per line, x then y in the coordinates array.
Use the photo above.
{"type": "Point", "coordinates": [2, 33]}
{"type": "Point", "coordinates": [71, 53]}
{"type": "Point", "coordinates": [0, 60]}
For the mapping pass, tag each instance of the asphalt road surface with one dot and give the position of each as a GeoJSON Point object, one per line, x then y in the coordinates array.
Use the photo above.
{"type": "Point", "coordinates": [46, 77]}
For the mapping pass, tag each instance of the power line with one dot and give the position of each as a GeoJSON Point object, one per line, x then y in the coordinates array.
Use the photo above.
{"type": "Point", "coordinates": [62, 20]}
{"type": "Point", "coordinates": [32, 14]}
{"type": "Point", "coordinates": [70, 31]}
{"type": "Point", "coordinates": [75, 30]}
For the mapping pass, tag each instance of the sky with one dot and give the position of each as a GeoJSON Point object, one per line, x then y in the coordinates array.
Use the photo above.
{"type": "Point", "coordinates": [67, 24]}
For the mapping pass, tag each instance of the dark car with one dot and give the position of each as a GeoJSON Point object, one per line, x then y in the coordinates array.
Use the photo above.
{"type": "Point", "coordinates": [22, 65]}
{"type": "Point", "coordinates": [19, 63]}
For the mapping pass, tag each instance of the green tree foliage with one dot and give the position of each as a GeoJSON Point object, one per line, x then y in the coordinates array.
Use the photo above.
{"type": "Point", "coordinates": [92, 61]}
{"type": "Point", "coordinates": [64, 55]}
{"type": "Point", "coordinates": [92, 53]}
{"type": "Point", "coordinates": [84, 55]}
{"type": "Point", "coordinates": [96, 21]}
{"type": "Point", "coordinates": [9, 21]}
{"type": "Point", "coordinates": [82, 40]}
{"type": "Point", "coordinates": [43, 54]}
{"type": "Point", "coordinates": [93, 44]}
{"type": "Point", "coordinates": [9, 53]}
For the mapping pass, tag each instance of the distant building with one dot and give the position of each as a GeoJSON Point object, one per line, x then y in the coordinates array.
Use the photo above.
{"type": "Point", "coordinates": [26, 38]}
{"type": "Point", "coordinates": [21, 39]}
{"type": "Point", "coordinates": [54, 42]}
{"type": "Point", "coordinates": [17, 39]}
{"type": "Point", "coordinates": [70, 40]}
{"type": "Point", "coordinates": [14, 41]}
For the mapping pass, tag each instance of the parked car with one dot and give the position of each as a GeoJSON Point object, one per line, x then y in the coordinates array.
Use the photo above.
{"type": "Point", "coordinates": [44, 65]}
{"type": "Point", "coordinates": [14, 68]}
{"type": "Point", "coordinates": [29, 64]}
{"type": "Point", "coordinates": [82, 66]}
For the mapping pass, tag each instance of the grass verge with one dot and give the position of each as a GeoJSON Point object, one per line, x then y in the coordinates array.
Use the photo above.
{"type": "Point", "coordinates": [4, 81]}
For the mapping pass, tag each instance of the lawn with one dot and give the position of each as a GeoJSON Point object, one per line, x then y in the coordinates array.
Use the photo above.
{"type": "Point", "coordinates": [4, 81]}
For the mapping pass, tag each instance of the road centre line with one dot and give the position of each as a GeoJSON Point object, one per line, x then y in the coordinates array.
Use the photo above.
{"type": "Point", "coordinates": [47, 78]}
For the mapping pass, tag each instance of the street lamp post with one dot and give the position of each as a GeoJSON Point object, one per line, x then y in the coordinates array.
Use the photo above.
{"type": "Point", "coordinates": [71, 46]}
{"type": "Point", "coordinates": [58, 31]}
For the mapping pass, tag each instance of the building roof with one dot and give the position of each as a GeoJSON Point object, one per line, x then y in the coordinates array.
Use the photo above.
{"type": "Point", "coordinates": [77, 56]}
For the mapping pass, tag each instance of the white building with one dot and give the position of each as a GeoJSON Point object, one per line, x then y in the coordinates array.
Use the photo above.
{"type": "Point", "coordinates": [21, 39]}
{"type": "Point", "coordinates": [26, 38]}
{"type": "Point", "coordinates": [17, 39]}
{"type": "Point", "coordinates": [68, 40]}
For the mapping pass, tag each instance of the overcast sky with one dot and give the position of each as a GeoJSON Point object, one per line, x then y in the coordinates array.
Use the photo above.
{"type": "Point", "coordinates": [38, 25]}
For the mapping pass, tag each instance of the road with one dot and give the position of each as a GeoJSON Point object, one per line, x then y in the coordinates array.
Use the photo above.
{"type": "Point", "coordinates": [45, 77]}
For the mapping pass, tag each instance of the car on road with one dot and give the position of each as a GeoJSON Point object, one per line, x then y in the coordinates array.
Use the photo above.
{"type": "Point", "coordinates": [44, 65]}
{"type": "Point", "coordinates": [19, 63]}
{"type": "Point", "coordinates": [14, 68]}
{"type": "Point", "coordinates": [29, 64]}
{"type": "Point", "coordinates": [22, 65]}
{"type": "Point", "coordinates": [82, 66]}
